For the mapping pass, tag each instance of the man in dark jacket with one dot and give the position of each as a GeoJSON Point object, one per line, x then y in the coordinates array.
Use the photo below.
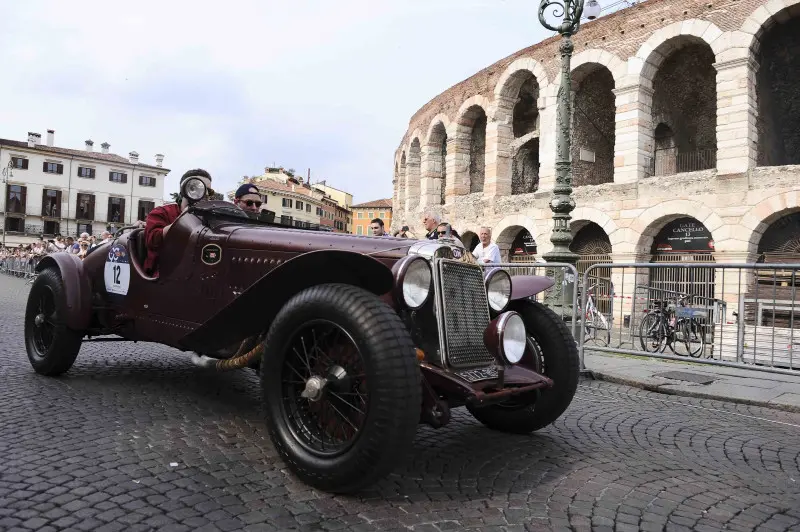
{"type": "Point", "coordinates": [160, 219]}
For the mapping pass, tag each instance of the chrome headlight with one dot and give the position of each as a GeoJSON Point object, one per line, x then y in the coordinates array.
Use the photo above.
{"type": "Point", "coordinates": [194, 189]}
{"type": "Point", "coordinates": [413, 281]}
{"type": "Point", "coordinates": [512, 337]}
{"type": "Point", "coordinates": [498, 289]}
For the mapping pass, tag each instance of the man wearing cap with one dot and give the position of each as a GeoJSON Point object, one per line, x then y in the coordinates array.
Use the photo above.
{"type": "Point", "coordinates": [160, 219]}
{"type": "Point", "coordinates": [248, 198]}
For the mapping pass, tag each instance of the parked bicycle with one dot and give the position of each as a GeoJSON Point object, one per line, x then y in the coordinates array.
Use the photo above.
{"type": "Point", "coordinates": [672, 323]}
{"type": "Point", "coordinates": [597, 328]}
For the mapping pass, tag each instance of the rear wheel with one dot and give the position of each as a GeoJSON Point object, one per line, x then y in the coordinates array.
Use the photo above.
{"type": "Point", "coordinates": [653, 333]}
{"type": "Point", "coordinates": [552, 351]}
{"type": "Point", "coordinates": [51, 346]}
{"type": "Point", "coordinates": [341, 387]}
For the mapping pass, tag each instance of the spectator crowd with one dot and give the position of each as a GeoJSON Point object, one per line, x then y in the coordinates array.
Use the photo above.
{"type": "Point", "coordinates": [13, 258]}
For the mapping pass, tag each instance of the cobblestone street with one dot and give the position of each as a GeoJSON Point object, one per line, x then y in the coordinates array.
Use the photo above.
{"type": "Point", "coordinates": [134, 437]}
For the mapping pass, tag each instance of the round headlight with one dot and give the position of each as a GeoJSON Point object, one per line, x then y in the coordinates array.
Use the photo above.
{"type": "Point", "coordinates": [194, 189]}
{"type": "Point", "coordinates": [513, 337]}
{"type": "Point", "coordinates": [416, 283]}
{"type": "Point", "coordinates": [498, 289]}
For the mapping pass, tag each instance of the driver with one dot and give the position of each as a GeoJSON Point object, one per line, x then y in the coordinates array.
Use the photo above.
{"type": "Point", "coordinates": [160, 220]}
{"type": "Point", "coordinates": [248, 198]}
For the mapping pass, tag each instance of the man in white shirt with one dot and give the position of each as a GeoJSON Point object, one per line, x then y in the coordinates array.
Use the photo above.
{"type": "Point", "coordinates": [487, 251]}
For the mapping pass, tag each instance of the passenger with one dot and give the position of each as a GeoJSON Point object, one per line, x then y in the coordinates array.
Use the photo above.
{"type": "Point", "coordinates": [248, 198]}
{"type": "Point", "coordinates": [445, 230]}
{"type": "Point", "coordinates": [160, 219]}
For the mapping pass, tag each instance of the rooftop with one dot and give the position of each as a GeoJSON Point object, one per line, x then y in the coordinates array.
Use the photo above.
{"type": "Point", "coordinates": [376, 204]}
{"type": "Point", "coordinates": [107, 157]}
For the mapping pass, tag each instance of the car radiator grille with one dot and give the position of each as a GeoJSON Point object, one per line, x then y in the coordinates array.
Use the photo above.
{"type": "Point", "coordinates": [465, 314]}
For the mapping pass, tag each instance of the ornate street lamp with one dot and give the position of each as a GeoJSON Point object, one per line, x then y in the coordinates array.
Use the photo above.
{"type": "Point", "coordinates": [8, 173]}
{"type": "Point", "coordinates": [570, 11]}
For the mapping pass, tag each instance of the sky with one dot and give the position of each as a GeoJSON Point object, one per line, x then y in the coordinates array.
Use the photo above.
{"type": "Point", "coordinates": [234, 86]}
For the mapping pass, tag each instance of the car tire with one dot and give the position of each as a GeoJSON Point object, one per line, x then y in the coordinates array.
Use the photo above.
{"type": "Point", "coordinates": [560, 361]}
{"type": "Point", "coordinates": [52, 347]}
{"type": "Point", "coordinates": [368, 330]}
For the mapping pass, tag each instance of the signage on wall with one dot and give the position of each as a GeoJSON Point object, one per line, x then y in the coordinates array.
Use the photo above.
{"type": "Point", "coordinates": [684, 235]}
{"type": "Point", "coordinates": [523, 244]}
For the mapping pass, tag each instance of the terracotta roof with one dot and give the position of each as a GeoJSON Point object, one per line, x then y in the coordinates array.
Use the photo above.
{"type": "Point", "coordinates": [271, 184]}
{"type": "Point", "coordinates": [112, 158]}
{"type": "Point", "coordinates": [381, 203]}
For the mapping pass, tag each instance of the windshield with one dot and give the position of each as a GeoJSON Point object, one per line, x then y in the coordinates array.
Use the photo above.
{"type": "Point", "coordinates": [217, 212]}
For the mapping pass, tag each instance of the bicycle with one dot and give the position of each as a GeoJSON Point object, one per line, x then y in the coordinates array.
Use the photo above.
{"type": "Point", "coordinates": [672, 324]}
{"type": "Point", "coordinates": [596, 324]}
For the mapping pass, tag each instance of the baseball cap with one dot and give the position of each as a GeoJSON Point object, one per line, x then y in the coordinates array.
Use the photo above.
{"type": "Point", "coordinates": [246, 189]}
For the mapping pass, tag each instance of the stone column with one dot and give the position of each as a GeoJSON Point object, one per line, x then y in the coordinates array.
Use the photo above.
{"type": "Point", "coordinates": [457, 163]}
{"type": "Point", "coordinates": [633, 146]}
{"type": "Point", "coordinates": [412, 180]}
{"type": "Point", "coordinates": [430, 181]}
{"type": "Point", "coordinates": [547, 140]}
{"type": "Point", "coordinates": [499, 135]}
{"type": "Point", "coordinates": [737, 110]}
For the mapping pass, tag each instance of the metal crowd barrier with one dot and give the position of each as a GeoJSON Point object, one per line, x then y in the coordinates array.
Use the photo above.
{"type": "Point", "coordinates": [24, 267]}
{"type": "Point", "coordinates": [736, 315]}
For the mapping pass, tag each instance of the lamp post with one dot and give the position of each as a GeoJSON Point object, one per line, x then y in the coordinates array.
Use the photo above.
{"type": "Point", "coordinates": [8, 173]}
{"type": "Point", "coordinates": [562, 203]}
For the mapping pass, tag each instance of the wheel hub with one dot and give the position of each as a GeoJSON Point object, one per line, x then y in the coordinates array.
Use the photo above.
{"type": "Point", "coordinates": [38, 320]}
{"type": "Point", "coordinates": [314, 388]}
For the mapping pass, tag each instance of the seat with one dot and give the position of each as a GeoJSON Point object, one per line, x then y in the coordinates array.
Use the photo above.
{"type": "Point", "coordinates": [138, 246]}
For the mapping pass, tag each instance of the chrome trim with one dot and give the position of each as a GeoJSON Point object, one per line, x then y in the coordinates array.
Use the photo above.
{"type": "Point", "coordinates": [402, 269]}
{"type": "Point", "coordinates": [488, 276]}
{"type": "Point", "coordinates": [501, 331]}
{"type": "Point", "coordinates": [438, 309]}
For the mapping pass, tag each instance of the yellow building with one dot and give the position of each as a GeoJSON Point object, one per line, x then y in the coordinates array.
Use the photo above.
{"type": "Point", "coordinates": [364, 213]}
{"type": "Point", "coordinates": [344, 199]}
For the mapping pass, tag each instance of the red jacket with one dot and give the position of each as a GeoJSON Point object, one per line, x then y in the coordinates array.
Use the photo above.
{"type": "Point", "coordinates": [156, 221]}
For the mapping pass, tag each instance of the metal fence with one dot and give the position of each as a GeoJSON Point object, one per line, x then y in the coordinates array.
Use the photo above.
{"type": "Point", "coordinates": [736, 315]}
{"type": "Point", "coordinates": [24, 267]}
{"type": "Point", "coordinates": [669, 161]}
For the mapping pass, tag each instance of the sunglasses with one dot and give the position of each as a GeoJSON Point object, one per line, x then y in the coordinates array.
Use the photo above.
{"type": "Point", "coordinates": [250, 203]}
{"type": "Point", "coordinates": [442, 232]}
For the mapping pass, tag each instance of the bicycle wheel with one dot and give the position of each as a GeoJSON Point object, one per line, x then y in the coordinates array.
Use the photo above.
{"type": "Point", "coordinates": [602, 331]}
{"type": "Point", "coordinates": [652, 333]}
{"type": "Point", "coordinates": [690, 340]}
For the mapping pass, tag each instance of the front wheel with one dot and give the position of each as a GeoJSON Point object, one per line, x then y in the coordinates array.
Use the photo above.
{"type": "Point", "coordinates": [553, 352]}
{"type": "Point", "coordinates": [52, 347]}
{"type": "Point", "coordinates": [341, 386]}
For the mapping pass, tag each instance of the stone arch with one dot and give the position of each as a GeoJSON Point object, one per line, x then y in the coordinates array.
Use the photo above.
{"type": "Point", "coordinates": [652, 220]}
{"type": "Point", "coordinates": [594, 113]}
{"type": "Point", "coordinates": [762, 19]}
{"type": "Point", "coordinates": [470, 146]}
{"type": "Point", "coordinates": [434, 162]}
{"type": "Point", "coordinates": [759, 217]}
{"type": "Point", "coordinates": [504, 233]}
{"type": "Point", "coordinates": [593, 246]}
{"type": "Point", "coordinates": [584, 215]}
{"type": "Point", "coordinates": [403, 195]}
{"type": "Point", "coordinates": [679, 64]}
{"type": "Point", "coordinates": [663, 42]}
{"type": "Point", "coordinates": [413, 164]}
{"type": "Point", "coordinates": [777, 85]}
{"type": "Point", "coordinates": [507, 88]}
{"type": "Point", "coordinates": [612, 62]}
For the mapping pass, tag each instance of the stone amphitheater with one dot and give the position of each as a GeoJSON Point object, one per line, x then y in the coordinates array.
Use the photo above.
{"type": "Point", "coordinates": [686, 139]}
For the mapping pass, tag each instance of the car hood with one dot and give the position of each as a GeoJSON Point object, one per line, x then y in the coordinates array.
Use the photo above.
{"type": "Point", "coordinates": [301, 241]}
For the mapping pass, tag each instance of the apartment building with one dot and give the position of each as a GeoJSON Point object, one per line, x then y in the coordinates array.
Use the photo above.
{"type": "Point", "coordinates": [364, 213]}
{"type": "Point", "coordinates": [50, 190]}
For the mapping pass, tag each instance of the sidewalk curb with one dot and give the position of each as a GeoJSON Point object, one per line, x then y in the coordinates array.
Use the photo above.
{"type": "Point", "coordinates": [599, 375]}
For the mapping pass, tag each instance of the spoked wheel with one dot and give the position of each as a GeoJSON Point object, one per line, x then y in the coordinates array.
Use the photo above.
{"type": "Point", "coordinates": [341, 386]}
{"type": "Point", "coordinates": [653, 334]}
{"type": "Point", "coordinates": [689, 338]}
{"type": "Point", "coordinates": [51, 346]}
{"type": "Point", "coordinates": [325, 392]}
{"type": "Point", "coordinates": [600, 330]}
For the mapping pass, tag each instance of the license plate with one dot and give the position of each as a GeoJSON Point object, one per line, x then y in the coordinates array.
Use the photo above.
{"type": "Point", "coordinates": [480, 374]}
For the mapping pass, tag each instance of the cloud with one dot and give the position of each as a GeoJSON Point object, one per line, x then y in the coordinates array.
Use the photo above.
{"type": "Point", "coordinates": [238, 85]}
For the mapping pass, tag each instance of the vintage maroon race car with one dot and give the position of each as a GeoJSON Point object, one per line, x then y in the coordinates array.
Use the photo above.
{"type": "Point", "coordinates": [357, 339]}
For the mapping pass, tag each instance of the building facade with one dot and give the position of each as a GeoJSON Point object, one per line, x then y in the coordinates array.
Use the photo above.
{"type": "Point", "coordinates": [364, 213]}
{"type": "Point", "coordinates": [685, 141]}
{"type": "Point", "coordinates": [49, 190]}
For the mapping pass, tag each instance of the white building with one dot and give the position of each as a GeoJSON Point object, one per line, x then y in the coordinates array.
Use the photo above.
{"type": "Point", "coordinates": [50, 190]}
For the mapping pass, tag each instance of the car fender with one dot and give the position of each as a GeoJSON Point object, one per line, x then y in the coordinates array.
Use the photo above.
{"type": "Point", "coordinates": [77, 288]}
{"type": "Point", "coordinates": [523, 286]}
{"type": "Point", "coordinates": [257, 306]}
